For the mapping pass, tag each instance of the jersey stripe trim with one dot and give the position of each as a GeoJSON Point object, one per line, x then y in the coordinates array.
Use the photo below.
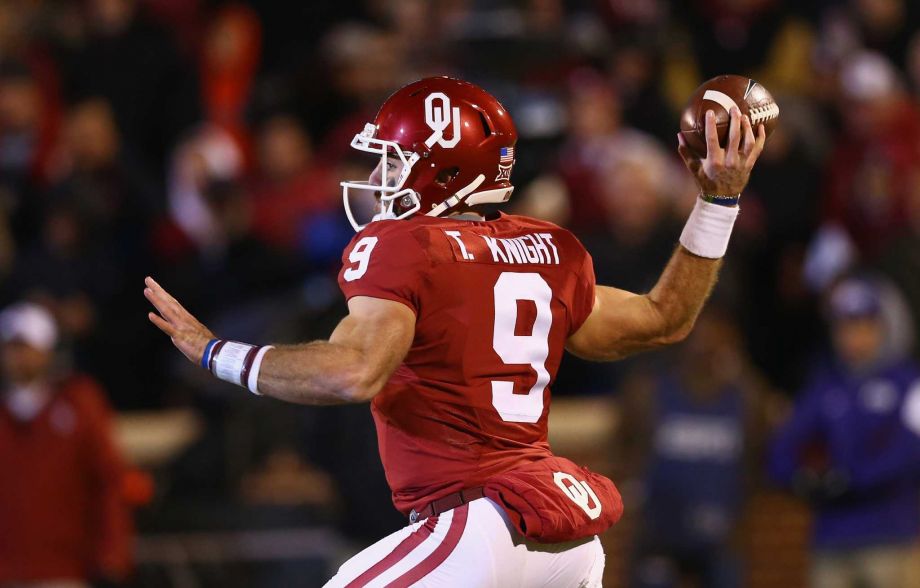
{"type": "Point", "coordinates": [441, 553]}
{"type": "Point", "coordinates": [410, 543]}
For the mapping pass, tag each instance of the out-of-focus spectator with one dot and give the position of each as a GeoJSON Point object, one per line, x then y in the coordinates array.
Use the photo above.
{"type": "Point", "coordinates": [780, 216]}
{"type": "Point", "coordinates": [691, 435]}
{"type": "Point", "coordinates": [594, 124]}
{"type": "Point", "coordinates": [292, 192]}
{"type": "Point", "coordinates": [91, 216]}
{"type": "Point", "coordinates": [364, 64]}
{"type": "Point", "coordinates": [417, 24]}
{"type": "Point", "coordinates": [210, 205]}
{"type": "Point", "coordinates": [901, 259]}
{"type": "Point", "coordinates": [869, 171]}
{"type": "Point", "coordinates": [28, 124]}
{"type": "Point", "coordinates": [95, 174]}
{"type": "Point", "coordinates": [63, 517]}
{"type": "Point", "coordinates": [884, 26]}
{"type": "Point", "coordinates": [93, 240]}
{"type": "Point", "coordinates": [28, 128]}
{"type": "Point", "coordinates": [852, 449]}
{"type": "Point", "coordinates": [636, 72]}
{"type": "Point", "coordinates": [211, 156]}
{"type": "Point", "coordinates": [640, 188]}
{"type": "Point", "coordinates": [230, 58]}
{"type": "Point", "coordinates": [137, 67]}
{"type": "Point", "coordinates": [764, 38]}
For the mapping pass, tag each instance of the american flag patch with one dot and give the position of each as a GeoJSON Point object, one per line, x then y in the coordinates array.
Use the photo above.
{"type": "Point", "coordinates": [506, 155]}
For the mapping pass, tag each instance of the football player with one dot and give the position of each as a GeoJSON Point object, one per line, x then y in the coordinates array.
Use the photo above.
{"type": "Point", "coordinates": [456, 326]}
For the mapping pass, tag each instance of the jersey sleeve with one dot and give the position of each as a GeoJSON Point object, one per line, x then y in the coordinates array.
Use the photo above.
{"type": "Point", "coordinates": [583, 302]}
{"type": "Point", "coordinates": [384, 261]}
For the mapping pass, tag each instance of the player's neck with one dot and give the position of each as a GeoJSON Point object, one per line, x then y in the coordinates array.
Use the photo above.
{"type": "Point", "coordinates": [468, 216]}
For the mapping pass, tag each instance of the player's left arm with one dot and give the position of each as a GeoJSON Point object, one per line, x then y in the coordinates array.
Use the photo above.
{"type": "Point", "coordinates": [352, 366]}
{"type": "Point", "coordinates": [622, 323]}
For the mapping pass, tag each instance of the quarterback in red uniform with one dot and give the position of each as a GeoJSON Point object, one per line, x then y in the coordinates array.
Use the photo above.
{"type": "Point", "coordinates": [456, 328]}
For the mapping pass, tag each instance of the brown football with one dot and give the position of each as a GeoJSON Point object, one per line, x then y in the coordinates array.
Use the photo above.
{"type": "Point", "coordinates": [718, 95]}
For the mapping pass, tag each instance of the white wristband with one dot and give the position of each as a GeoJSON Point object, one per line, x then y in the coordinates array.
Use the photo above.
{"type": "Point", "coordinates": [229, 359]}
{"type": "Point", "coordinates": [238, 363]}
{"type": "Point", "coordinates": [253, 383]}
{"type": "Point", "coordinates": [709, 229]}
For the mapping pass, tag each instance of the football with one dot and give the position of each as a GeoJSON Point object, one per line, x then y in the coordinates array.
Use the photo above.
{"type": "Point", "coordinates": [718, 95]}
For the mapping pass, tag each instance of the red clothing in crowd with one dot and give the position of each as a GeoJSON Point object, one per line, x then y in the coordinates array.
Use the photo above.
{"type": "Point", "coordinates": [62, 512]}
{"type": "Point", "coordinates": [869, 180]}
{"type": "Point", "coordinates": [281, 209]}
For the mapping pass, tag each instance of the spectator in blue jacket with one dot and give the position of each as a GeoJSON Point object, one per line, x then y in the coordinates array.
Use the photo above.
{"type": "Point", "coordinates": [691, 430]}
{"type": "Point", "coordinates": [852, 449]}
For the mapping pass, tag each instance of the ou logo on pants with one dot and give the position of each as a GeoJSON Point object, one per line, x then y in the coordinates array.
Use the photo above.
{"type": "Point", "coordinates": [579, 492]}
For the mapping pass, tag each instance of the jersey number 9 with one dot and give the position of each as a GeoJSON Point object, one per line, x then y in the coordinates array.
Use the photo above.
{"type": "Point", "coordinates": [530, 349]}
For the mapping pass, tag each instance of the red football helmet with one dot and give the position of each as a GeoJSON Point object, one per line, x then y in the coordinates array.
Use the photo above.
{"type": "Point", "coordinates": [455, 142]}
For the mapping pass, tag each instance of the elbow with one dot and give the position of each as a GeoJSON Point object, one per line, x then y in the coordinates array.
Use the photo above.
{"type": "Point", "coordinates": [360, 387]}
{"type": "Point", "coordinates": [677, 334]}
{"type": "Point", "coordinates": [673, 323]}
{"type": "Point", "coordinates": [364, 394]}
{"type": "Point", "coordinates": [672, 331]}
{"type": "Point", "coordinates": [358, 394]}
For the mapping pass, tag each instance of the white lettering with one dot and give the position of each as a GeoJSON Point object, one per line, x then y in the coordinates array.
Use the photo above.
{"type": "Point", "coordinates": [494, 249]}
{"type": "Point", "coordinates": [456, 236]}
{"type": "Point", "coordinates": [530, 248]}
{"type": "Point", "coordinates": [512, 251]}
{"type": "Point", "coordinates": [549, 239]}
{"type": "Point", "coordinates": [529, 251]}
{"type": "Point", "coordinates": [540, 248]}
{"type": "Point", "coordinates": [516, 241]}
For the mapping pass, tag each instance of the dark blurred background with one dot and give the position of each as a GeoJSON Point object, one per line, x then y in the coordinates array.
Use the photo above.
{"type": "Point", "coordinates": [202, 141]}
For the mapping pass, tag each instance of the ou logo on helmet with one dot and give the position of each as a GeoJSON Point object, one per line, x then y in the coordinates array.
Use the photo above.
{"type": "Point", "coordinates": [439, 116]}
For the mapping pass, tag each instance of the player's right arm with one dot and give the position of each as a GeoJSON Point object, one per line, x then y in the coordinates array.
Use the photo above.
{"type": "Point", "coordinates": [622, 323]}
{"type": "Point", "coordinates": [352, 366]}
{"type": "Point", "coordinates": [380, 275]}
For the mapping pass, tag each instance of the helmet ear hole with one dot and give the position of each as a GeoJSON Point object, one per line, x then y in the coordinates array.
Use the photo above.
{"type": "Point", "coordinates": [486, 128]}
{"type": "Point", "coordinates": [446, 175]}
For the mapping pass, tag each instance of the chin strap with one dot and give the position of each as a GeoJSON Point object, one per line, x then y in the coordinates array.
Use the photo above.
{"type": "Point", "coordinates": [456, 198]}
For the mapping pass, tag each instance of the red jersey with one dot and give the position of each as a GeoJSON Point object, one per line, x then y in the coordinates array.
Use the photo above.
{"type": "Point", "coordinates": [495, 302]}
{"type": "Point", "coordinates": [62, 511]}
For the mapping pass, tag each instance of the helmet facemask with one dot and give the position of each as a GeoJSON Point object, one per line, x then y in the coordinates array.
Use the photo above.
{"type": "Point", "coordinates": [391, 200]}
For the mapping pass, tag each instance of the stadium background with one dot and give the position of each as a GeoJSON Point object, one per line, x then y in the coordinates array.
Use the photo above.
{"type": "Point", "coordinates": [202, 141]}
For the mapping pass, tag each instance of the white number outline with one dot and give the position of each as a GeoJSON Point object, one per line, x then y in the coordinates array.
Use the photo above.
{"type": "Point", "coordinates": [530, 349]}
{"type": "Point", "coordinates": [360, 254]}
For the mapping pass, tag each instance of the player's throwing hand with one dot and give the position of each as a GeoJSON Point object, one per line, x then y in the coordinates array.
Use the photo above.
{"type": "Point", "coordinates": [187, 333]}
{"type": "Point", "coordinates": [725, 171]}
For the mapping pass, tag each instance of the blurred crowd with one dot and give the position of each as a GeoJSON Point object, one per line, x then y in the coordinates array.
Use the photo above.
{"type": "Point", "coordinates": [202, 142]}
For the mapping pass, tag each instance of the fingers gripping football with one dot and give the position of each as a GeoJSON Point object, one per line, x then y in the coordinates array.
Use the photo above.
{"type": "Point", "coordinates": [187, 334]}
{"type": "Point", "coordinates": [725, 171]}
